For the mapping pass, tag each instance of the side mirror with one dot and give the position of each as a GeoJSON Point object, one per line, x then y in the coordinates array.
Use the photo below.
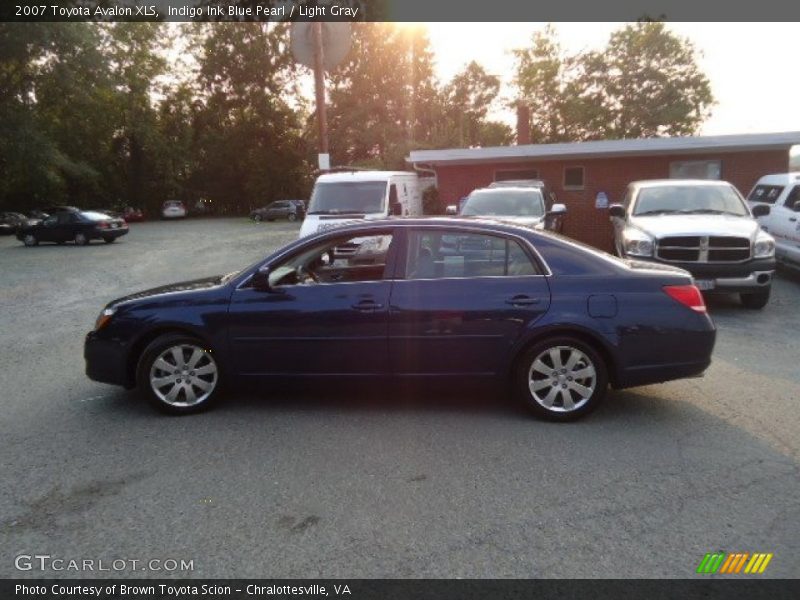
{"type": "Point", "coordinates": [260, 280]}
{"type": "Point", "coordinates": [616, 210]}
{"type": "Point", "coordinates": [557, 209]}
{"type": "Point", "coordinates": [452, 209]}
{"type": "Point", "coordinates": [762, 210]}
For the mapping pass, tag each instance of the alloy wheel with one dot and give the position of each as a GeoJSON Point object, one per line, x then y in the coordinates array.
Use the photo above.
{"type": "Point", "coordinates": [562, 379]}
{"type": "Point", "coordinates": [184, 375]}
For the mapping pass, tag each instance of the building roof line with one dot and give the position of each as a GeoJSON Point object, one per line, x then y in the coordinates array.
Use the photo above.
{"type": "Point", "coordinates": [609, 148]}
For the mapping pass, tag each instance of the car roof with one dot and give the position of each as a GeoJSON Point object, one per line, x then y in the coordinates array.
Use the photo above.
{"type": "Point", "coordinates": [506, 188]}
{"type": "Point", "coordinates": [468, 223]}
{"type": "Point", "coordinates": [362, 176]}
{"type": "Point", "coordinates": [645, 183]}
{"type": "Point", "coordinates": [779, 178]}
{"type": "Point", "coordinates": [525, 183]}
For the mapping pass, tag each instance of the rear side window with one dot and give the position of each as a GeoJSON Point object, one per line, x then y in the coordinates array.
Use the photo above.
{"type": "Point", "coordinates": [765, 193]}
{"type": "Point", "coordinates": [444, 254]}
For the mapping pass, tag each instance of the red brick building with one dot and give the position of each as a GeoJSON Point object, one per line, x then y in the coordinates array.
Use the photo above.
{"type": "Point", "coordinates": [579, 172]}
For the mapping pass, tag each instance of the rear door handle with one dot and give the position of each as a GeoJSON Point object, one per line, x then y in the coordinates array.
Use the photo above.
{"type": "Point", "coordinates": [523, 300]}
{"type": "Point", "coordinates": [367, 306]}
{"type": "Point", "coordinates": [793, 219]}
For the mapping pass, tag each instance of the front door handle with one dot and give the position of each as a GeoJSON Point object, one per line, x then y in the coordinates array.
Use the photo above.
{"type": "Point", "coordinates": [367, 305]}
{"type": "Point", "coordinates": [523, 300]}
{"type": "Point", "coordinates": [793, 219]}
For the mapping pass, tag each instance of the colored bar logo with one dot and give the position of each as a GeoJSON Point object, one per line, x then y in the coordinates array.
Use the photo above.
{"type": "Point", "coordinates": [734, 563]}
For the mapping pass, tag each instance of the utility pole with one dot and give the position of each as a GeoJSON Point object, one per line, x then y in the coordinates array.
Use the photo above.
{"type": "Point", "coordinates": [319, 88]}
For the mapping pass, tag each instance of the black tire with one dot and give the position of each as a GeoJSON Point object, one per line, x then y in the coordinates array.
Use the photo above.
{"type": "Point", "coordinates": [109, 240]}
{"type": "Point", "coordinates": [257, 218]}
{"type": "Point", "coordinates": [30, 240]}
{"type": "Point", "coordinates": [81, 239]}
{"type": "Point", "coordinates": [180, 406]}
{"type": "Point", "coordinates": [292, 217]}
{"type": "Point", "coordinates": [557, 386]}
{"type": "Point", "coordinates": [756, 300]}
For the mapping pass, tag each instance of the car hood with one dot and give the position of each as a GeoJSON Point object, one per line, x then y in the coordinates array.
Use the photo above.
{"type": "Point", "coordinates": [660, 226]}
{"type": "Point", "coordinates": [173, 288]}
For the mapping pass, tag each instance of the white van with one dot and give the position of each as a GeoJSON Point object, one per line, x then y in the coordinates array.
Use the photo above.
{"type": "Point", "coordinates": [782, 193]}
{"type": "Point", "coordinates": [348, 197]}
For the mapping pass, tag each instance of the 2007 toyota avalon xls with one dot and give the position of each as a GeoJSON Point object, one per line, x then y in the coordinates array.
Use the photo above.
{"type": "Point", "coordinates": [417, 298]}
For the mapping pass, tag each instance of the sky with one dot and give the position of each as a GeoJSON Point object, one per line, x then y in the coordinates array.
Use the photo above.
{"type": "Point", "coordinates": [753, 67]}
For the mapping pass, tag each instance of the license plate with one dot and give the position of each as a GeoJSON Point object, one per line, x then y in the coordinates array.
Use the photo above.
{"type": "Point", "coordinates": [704, 284]}
{"type": "Point", "coordinates": [114, 226]}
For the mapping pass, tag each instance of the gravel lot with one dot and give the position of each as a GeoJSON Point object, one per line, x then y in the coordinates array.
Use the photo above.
{"type": "Point", "coordinates": [368, 483]}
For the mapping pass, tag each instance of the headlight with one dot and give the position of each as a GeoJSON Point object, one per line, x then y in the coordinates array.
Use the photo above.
{"type": "Point", "coordinates": [104, 318]}
{"type": "Point", "coordinates": [637, 243]}
{"type": "Point", "coordinates": [764, 246]}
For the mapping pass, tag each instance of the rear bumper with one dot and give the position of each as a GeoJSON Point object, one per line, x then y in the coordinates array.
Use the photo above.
{"type": "Point", "coordinates": [110, 233]}
{"type": "Point", "coordinates": [647, 375]}
{"type": "Point", "coordinates": [106, 361]}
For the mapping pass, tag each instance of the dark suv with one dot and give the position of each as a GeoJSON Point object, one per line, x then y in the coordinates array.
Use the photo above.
{"type": "Point", "coordinates": [280, 209]}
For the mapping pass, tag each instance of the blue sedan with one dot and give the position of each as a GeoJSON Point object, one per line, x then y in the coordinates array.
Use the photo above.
{"type": "Point", "coordinates": [413, 299]}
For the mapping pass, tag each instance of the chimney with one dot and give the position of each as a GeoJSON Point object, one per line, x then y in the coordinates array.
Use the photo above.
{"type": "Point", "coordinates": [523, 124]}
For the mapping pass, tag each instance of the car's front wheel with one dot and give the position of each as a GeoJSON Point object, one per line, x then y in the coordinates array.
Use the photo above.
{"type": "Point", "coordinates": [30, 240]}
{"type": "Point", "coordinates": [756, 300]}
{"type": "Point", "coordinates": [257, 218]}
{"type": "Point", "coordinates": [561, 379]}
{"type": "Point", "coordinates": [178, 374]}
{"type": "Point", "coordinates": [292, 217]}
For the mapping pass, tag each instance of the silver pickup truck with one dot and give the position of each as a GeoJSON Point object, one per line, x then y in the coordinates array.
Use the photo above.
{"type": "Point", "coordinates": [705, 227]}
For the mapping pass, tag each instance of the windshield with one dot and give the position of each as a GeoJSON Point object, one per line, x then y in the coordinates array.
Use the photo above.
{"type": "Point", "coordinates": [339, 197]}
{"type": "Point", "coordinates": [689, 199]}
{"type": "Point", "coordinates": [505, 203]}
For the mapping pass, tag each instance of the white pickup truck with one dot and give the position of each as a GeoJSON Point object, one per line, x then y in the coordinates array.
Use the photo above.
{"type": "Point", "coordinates": [704, 227]}
{"type": "Point", "coordinates": [782, 193]}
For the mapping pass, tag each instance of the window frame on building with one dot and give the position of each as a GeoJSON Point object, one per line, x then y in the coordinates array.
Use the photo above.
{"type": "Point", "coordinates": [568, 186]}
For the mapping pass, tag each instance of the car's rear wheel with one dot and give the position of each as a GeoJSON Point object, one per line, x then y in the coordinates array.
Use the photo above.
{"type": "Point", "coordinates": [178, 374]}
{"type": "Point", "coordinates": [756, 300]}
{"type": "Point", "coordinates": [30, 240]}
{"type": "Point", "coordinates": [109, 240]}
{"type": "Point", "coordinates": [561, 378]}
{"type": "Point", "coordinates": [257, 218]}
{"type": "Point", "coordinates": [81, 239]}
{"type": "Point", "coordinates": [292, 217]}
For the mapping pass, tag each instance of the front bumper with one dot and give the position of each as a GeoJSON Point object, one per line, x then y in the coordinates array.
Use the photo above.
{"type": "Point", "coordinates": [750, 276]}
{"type": "Point", "coordinates": [106, 361]}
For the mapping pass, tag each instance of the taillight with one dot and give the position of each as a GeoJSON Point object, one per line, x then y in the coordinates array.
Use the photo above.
{"type": "Point", "coordinates": [103, 224]}
{"type": "Point", "coordinates": [688, 295]}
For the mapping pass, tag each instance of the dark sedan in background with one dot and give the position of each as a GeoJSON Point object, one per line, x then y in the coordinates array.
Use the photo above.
{"type": "Point", "coordinates": [413, 299]}
{"type": "Point", "coordinates": [292, 210]}
{"type": "Point", "coordinates": [73, 225]}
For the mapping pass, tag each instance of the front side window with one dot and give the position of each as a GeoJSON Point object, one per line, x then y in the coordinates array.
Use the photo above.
{"type": "Point", "coordinates": [767, 194]}
{"type": "Point", "coordinates": [348, 197]}
{"type": "Point", "coordinates": [689, 199]}
{"type": "Point", "coordinates": [341, 260]}
{"type": "Point", "coordinates": [505, 203]}
{"type": "Point", "coordinates": [443, 254]}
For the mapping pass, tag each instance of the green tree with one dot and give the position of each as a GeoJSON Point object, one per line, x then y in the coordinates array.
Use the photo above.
{"type": "Point", "coordinates": [249, 143]}
{"type": "Point", "coordinates": [644, 83]}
